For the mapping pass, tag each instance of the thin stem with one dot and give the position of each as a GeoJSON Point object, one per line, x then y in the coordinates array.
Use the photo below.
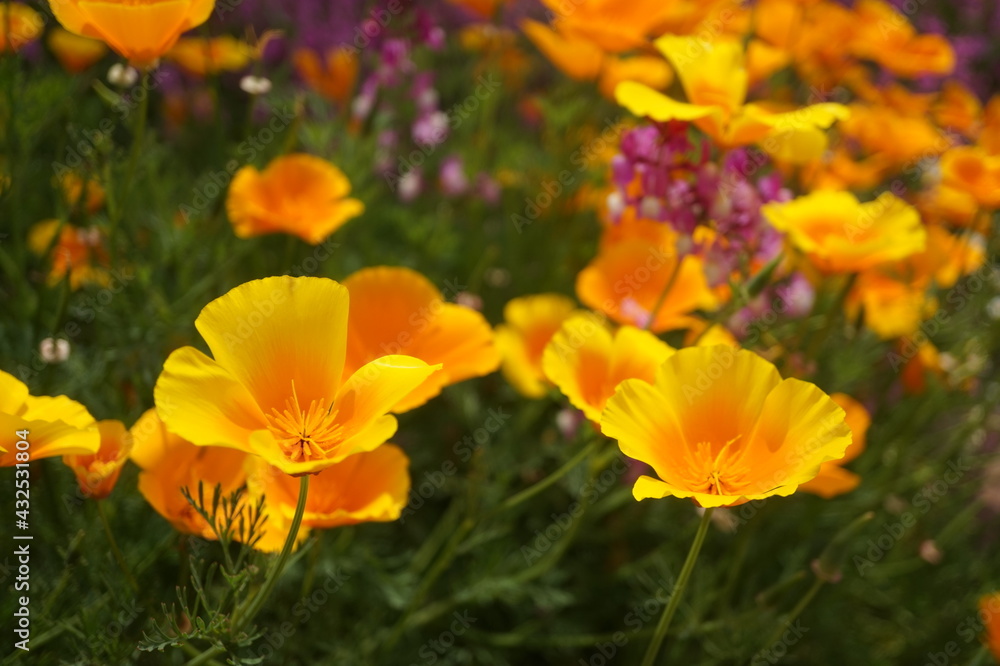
{"type": "Point", "coordinates": [117, 211]}
{"type": "Point", "coordinates": [661, 299]}
{"type": "Point", "coordinates": [240, 619]}
{"type": "Point", "coordinates": [675, 598]}
{"type": "Point", "coordinates": [538, 487]}
{"type": "Point", "coordinates": [115, 550]}
{"type": "Point", "coordinates": [795, 612]}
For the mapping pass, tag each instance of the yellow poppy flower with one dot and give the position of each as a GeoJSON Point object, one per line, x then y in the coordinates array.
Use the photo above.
{"type": "Point", "coordinates": [367, 487]}
{"type": "Point", "coordinates": [974, 171]}
{"type": "Point", "coordinates": [97, 473]}
{"type": "Point", "coordinates": [626, 281]}
{"type": "Point", "coordinates": [715, 79]}
{"type": "Point", "coordinates": [169, 464]}
{"type": "Point", "coordinates": [530, 322]}
{"type": "Point", "coordinates": [19, 25]}
{"type": "Point", "coordinates": [721, 427]}
{"type": "Point", "coordinates": [80, 253]}
{"type": "Point", "coordinates": [892, 308]}
{"type": "Point", "coordinates": [647, 70]}
{"type": "Point", "coordinates": [139, 30]}
{"type": "Point", "coordinates": [833, 479]}
{"type": "Point", "coordinates": [587, 361]}
{"type": "Point", "coordinates": [274, 387]}
{"type": "Point", "coordinates": [201, 56]}
{"type": "Point", "coordinates": [840, 235]}
{"type": "Point", "coordinates": [296, 194]}
{"type": "Point", "coordinates": [399, 311]}
{"type": "Point", "coordinates": [55, 426]}
{"type": "Point", "coordinates": [73, 52]}
{"type": "Point", "coordinates": [334, 77]}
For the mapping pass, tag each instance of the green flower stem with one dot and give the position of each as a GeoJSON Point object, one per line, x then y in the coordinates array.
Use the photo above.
{"type": "Point", "coordinates": [244, 615]}
{"type": "Point", "coordinates": [675, 598]}
{"type": "Point", "coordinates": [795, 612]}
{"type": "Point", "coordinates": [539, 486]}
{"type": "Point", "coordinates": [115, 550]}
{"type": "Point", "coordinates": [662, 298]}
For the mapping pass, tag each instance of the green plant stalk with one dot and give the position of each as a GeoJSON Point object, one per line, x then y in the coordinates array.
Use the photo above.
{"type": "Point", "coordinates": [241, 617]}
{"type": "Point", "coordinates": [675, 598]}
{"type": "Point", "coordinates": [116, 213]}
{"type": "Point", "coordinates": [795, 612]}
{"type": "Point", "coordinates": [115, 550]}
{"type": "Point", "coordinates": [662, 298]}
{"type": "Point", "coordinates": [539, 486]}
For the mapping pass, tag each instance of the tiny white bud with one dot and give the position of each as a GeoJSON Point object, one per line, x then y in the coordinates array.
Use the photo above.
{"type": "Point", "coordinates": [255, 85]}
{"type": "Point", "coordinates": [123, 76]}
{"type": "Point", "coordinates": [54, 351]}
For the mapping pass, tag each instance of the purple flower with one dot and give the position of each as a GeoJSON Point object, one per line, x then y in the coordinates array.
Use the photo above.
{"type": "Point", "coordinates": [452, 176]}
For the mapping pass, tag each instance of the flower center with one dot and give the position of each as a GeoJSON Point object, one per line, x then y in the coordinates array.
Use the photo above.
{"type": "Point", "coordinates": [720, 474]}
{"type": "Point", "coordinates": [308, 434]}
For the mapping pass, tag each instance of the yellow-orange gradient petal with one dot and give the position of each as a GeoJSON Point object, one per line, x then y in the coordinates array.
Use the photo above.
{"type": "Point", "coordinates": [531, 321]}
{"type": "Point", "coordinates": [720, 426]}
{"type": "Point", "coordinates": [833, 479]}
{"type": "Point", "coordinates": [98, 473]}
{"type": "Point", "coordinates": [367, 487]}
{"type": "Point", "coordinates": [626, 280]}
{"type": "Point", "coordinates": [296, 194]}
{"type": "Point", "coordinates": [139, 30]}
{"type": "Point", "coordinates": [396, 310]}
{"type": "Point", "coordinates": [170, 463]}
{"type": "Point", "coordinates": [586, 361]}
{"type": "Point", "coordinates": [75, 53]}
{"type": "Point", "coordinates": [839, 234]}
{"type": "Point", "coordinates": [577, 58]}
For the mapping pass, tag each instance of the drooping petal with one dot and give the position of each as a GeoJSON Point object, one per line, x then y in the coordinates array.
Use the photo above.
{"type": "Point", "coordinates": [46, 439]}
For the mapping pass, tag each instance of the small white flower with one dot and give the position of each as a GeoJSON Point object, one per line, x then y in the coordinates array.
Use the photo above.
{"type": "Point", "coordinates": [993, 308]}
{"type": "Point", "coordinates": [54, 351]}
{"type": "Point", "coordinates": [616, 205]}
{"type": "Point", "coordinates": [255, 85]}
{"type": "Point", "coordinates": [123, 76]}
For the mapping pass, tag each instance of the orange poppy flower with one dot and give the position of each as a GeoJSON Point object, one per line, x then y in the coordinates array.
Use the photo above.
{"type": "Point", "coordinates": [650, 71]}
{"type": "Point", "coordinates": [896, 138]}
{"type": "Point", "coordinates": [77, 252]}
{"type": "Point", "coordinates": [974, 171]}
{"type": "Point", "coordinates": [989, 612]}
{"type": "Point", "coordinates": [169, 464]}
{"type": "Point", "coordinates": [52, 426]}
{"type": "Point", "coordinates": [576, 57]}
{"type": "Point", "coordinates": [833, 479]}
{"type": "Point", "coordinates": [88, 194]}
{"type": "Point", "coordinates": [893, 308]}
{"type": "Point", "coordinates": [840, 235]}
{"type": "Point", "coordinates": [275, 386]}
{"type": "Point", "coordinates": [201, 56]}
{"type": "Point", "coordinates": [367, 487]}
{"type": "Point", "coordinates": [484, 9]}
{"type": "Point", "coordinates": [75, 53]}
{"type": "Point", "coordinates": [917, 362]}
{"type": "Point", "coordinates": [886, 37]}
{"type": "Point", "coordinates": [139, 30]}
{"type": "Point", "coordinates": [334, 77]}
{"type": "Point", "coordinates": [529, 324]}
{"type": "Point", "coordinates": [399, 311]}
{"type": "Point", "coordinates": [587, 361]}
{"type": "Point", "coordinates": [19, 25]}
{"type": "Point", "coordinates": [296, 194]}
{"type": "Point", "coordinates": [627, 279]}
{"type": "Point", "coordinates": [97, 473]}
{"type": "Point", "coordinates": [720, 426]}
{"type": "Point", "coordinates": [958, 108]}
